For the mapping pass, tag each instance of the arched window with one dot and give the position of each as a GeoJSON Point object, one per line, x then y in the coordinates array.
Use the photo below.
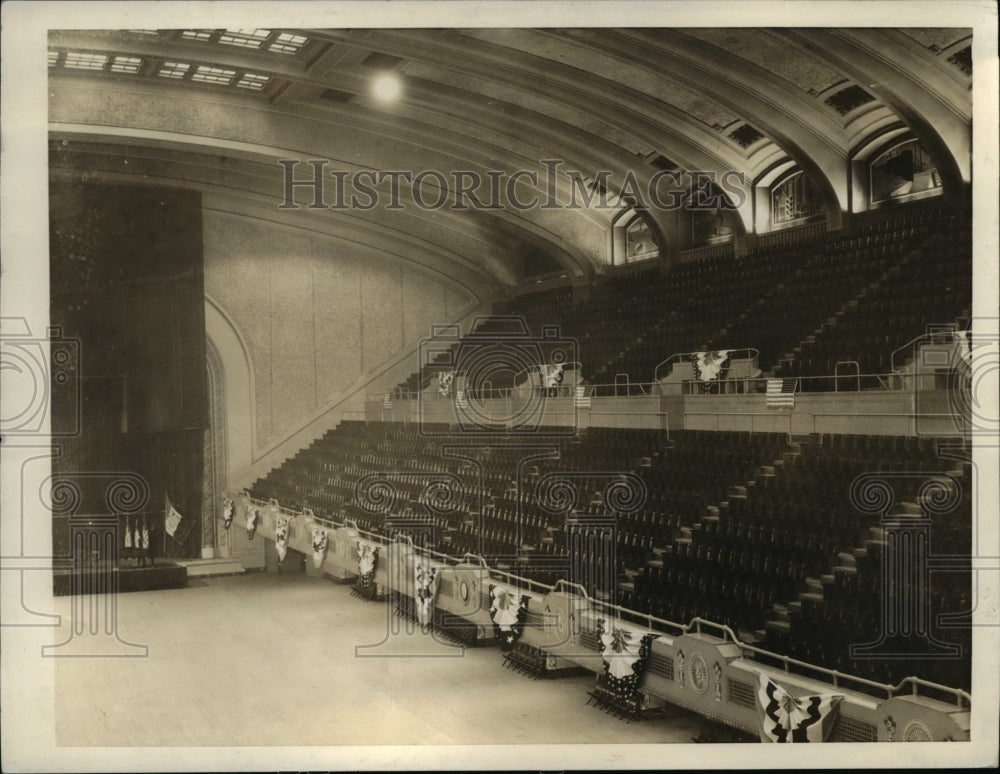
{"type": "Point", "coordinates": [795, 198]}
{"type": "Point", "coordinates": [635, 239]}
{"type": "Point", "coordinates": [905, 171]}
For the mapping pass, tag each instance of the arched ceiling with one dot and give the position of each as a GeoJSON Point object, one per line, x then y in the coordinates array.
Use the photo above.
{"type": "Point", "coordinates": [218, 109]}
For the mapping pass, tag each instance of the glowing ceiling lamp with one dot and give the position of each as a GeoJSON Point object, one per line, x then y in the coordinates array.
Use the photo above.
{"type": "Point", "coordinates": [386, 87]}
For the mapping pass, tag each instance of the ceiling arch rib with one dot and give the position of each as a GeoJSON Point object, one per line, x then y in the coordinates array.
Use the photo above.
{"type": "Point", "coordinates": [351, 141]}
{"type": "Point", "coordinates": [631, 102]}
{"type": "Point", "coordinates": [652, 123]}
{"type": "Point", "coordinates": [482, 258]}
{"type": "Point", "coordinates": [107, 163]}
{"type": "Point", "coordinates": [604, 155]}
{"type": "Point", "coordinates": [804, 132]}
{"type": "Point", "coordinates": [932, 103]}
{"type": "Point", "coordinates": [352, 79]}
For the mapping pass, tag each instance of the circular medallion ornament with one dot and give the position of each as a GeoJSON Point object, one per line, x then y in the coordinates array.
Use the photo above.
{"type": "Point", "coordinates": [917, 731]}
{"type": "Point", "coordinates": [699, 674]}
{"type": "Point", "coordinates": [466, 591]}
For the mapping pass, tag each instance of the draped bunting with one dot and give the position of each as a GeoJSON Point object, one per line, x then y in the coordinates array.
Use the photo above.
{"type": "Point", "coordinates": [367, 561]}
{"type": "Point", "coordinates": [128, 533]}
{"type": "Point", "coordinates": [145, 535]}
{"type": "Point", "coordinates": [507, 611]}
{"type": "Point", "coordinates": [786, 718]}
{"type": "Point", "coordinates": [319, 544]}
{"type": "Point", "coordinates": [281, 537]}
{"type": "Point", "coordinates": [426, 578]}
{"type": "Point", "coordinates": [445, 379]}
{"type": "Point", "coordinates": [709, 366]}
{"type": "Point", "coordinates": [252, 515]}
{"type": "Point", "coordinates": [227, 512]}
{"type": "Point", "coordinates": [552, 374]}
{"type": "Point", "coordinates": [626, 655]}
{"type": "Point", "coordinates": [172, 518]}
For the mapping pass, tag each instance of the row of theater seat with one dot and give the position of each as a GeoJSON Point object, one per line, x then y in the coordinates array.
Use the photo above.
{"type": "Point", "coordinates": [750, 530]}
{"type": "Point", "coordinates": [880, 286]}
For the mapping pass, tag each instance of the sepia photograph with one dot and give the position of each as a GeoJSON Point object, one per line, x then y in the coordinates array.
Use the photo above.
{"type": "Point", "coordinates": [501, 386]}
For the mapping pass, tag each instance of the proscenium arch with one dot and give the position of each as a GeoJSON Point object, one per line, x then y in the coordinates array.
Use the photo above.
{"type": "Point", "coordinates": [238, 390]}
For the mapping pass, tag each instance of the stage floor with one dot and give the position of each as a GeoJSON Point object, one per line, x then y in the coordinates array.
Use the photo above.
{"type": "Point", "coordinates": [273, 660]}
{"type": "Point", "coordinates": [164, 574]}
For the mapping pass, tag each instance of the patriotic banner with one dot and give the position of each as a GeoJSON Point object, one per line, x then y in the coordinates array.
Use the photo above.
{"type": "Point", "coordinates": [507, 611]}
{"type": "Point", "coordinates": [626, 655]}
{"type": "Point", "coordinates": [367, 561]}
{"type": "Point", "coordinates": [137, 541]}
{"type": "Point", "coordinates": [781, 393]}
{"type": "Point", "coordinates": [319, 544]}
{"type": "Point", "coordinates": [252, 516]}
{"type": "Point", "coordinates": [128, 532]}
{"type": "Point", "coordinates": [709, 367]}
{"type": "Point", "coordinates": [145, 535]}
{"type": "Point", "coordinates": [445, 380]}
{"type": "Point", "coordinates": [281, 537]}
{"type": "Point", "coordinates": [172, 517]}
{"type": "Point", "coordinates": [427, 585]}
{"type": "Point", "coordinates": [786, 718]}
{"type": "Point", "coordinates": [387, 401]}
{"type": "Point", "coordinates": [227, 512]}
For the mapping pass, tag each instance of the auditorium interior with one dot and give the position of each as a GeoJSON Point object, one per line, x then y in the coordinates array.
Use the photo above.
{"type": "Point", "coordinates": [514, 386]}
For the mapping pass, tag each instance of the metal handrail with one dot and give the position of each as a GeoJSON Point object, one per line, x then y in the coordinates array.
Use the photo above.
{"type": "Point", "coordinates": [695, 623]}
{"type": "Point", "coordinates": [836, 373]}
{"type": "Point", "coordinates": [800, 381]}
{"type": "Point", "coordinates": [610, 390]}
{"type": "Point", "coordinates": [834, 674]}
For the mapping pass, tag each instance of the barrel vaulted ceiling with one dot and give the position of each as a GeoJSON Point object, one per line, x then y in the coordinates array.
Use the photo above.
{"type": "Point", "coordinates": [216, 110]}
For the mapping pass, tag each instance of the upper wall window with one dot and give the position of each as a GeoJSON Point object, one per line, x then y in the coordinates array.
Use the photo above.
{"type": "Point", "coordinates": [640, 241]}
{"type": "Point", "coordinates": [904, 171]}
{"type": "Point", "coordinates": [634, 239]}
{"type": "Point", "coordinates": [795, 198]}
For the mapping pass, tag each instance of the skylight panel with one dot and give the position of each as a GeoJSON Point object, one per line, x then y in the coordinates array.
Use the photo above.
{"type": "Point", "coordinates": [287, 43]}
{"type": "Point", "coordinates": [245, 38]}
{"type": "Point", "coordinates": [82, 60]}
{"type": "Point", "coordinates": [253, 81]}
{"type": "Point", "coordinates": [173, 69]}
{"type": "Point", "coordinates": [207, 74]}
{"type": "Point", "coordinates": [126, 64]}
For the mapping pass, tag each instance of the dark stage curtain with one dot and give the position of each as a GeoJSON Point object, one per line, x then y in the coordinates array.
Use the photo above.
{"type": "Point", "coordinates": [127, 287]}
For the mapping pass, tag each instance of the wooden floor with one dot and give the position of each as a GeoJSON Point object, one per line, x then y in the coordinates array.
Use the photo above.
{"type": "Point", "coordinates": [264, 660]}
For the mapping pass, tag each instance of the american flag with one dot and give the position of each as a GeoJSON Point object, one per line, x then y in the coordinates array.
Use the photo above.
{"type": "Point", "coordinates": [780, 393]}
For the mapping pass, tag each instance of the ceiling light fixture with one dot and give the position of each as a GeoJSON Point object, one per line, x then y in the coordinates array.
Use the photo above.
{"type": "Point", "coordinates": [387, 87]}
